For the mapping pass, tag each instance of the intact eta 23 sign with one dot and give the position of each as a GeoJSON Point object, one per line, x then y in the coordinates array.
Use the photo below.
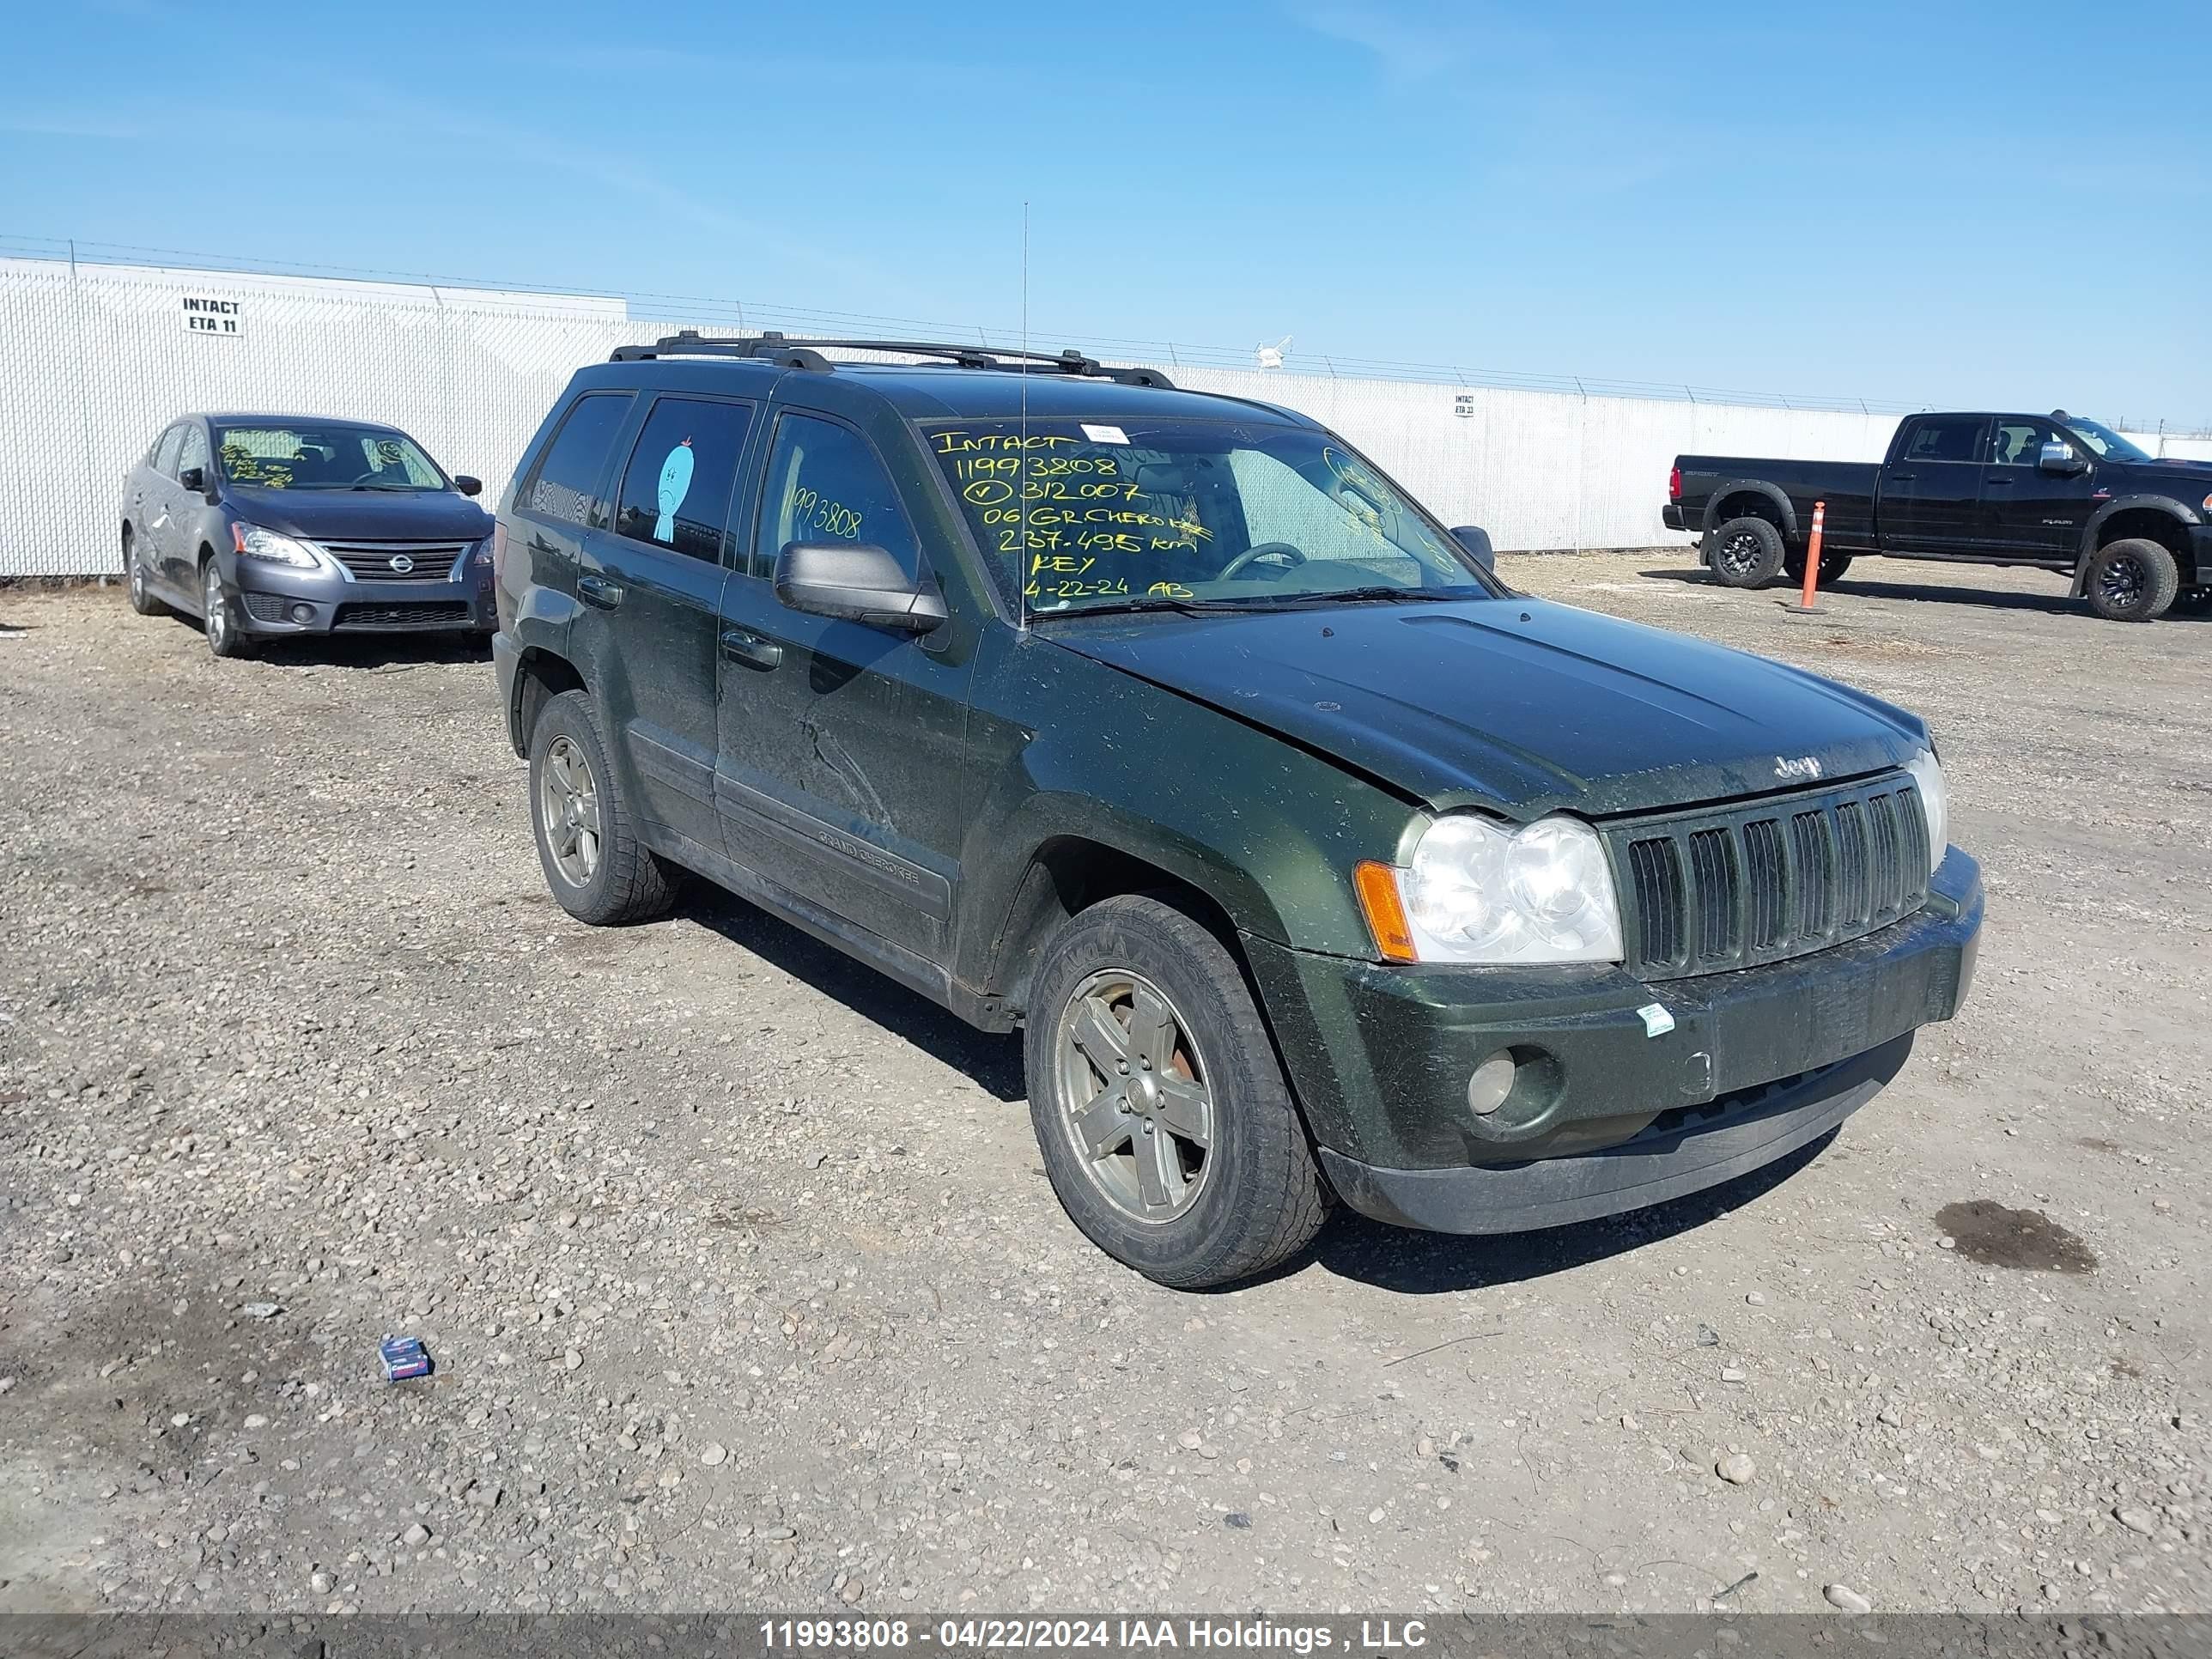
{"type": "Point", "coordinates": [205, 314]}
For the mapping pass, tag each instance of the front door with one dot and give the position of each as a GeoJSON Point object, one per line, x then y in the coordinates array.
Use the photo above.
{"type": "Point", "coordinates": [2028, 514]}
{"type": "Point", "coordinates": [1931, 494]}
{"type": "Point", "coordinates": [840, 774]}
{"type": "Point", "coordinates": [654, 577]}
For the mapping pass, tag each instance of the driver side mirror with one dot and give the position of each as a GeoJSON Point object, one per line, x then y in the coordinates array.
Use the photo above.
{"type": "Point", "coordinates": [2059, 457]}
{"type": "Point", "coordinates": [1476, 541]}
{"type": "Point", "coordinates": [467, 485]}
{"type": "Point", "coordinates": [193, 478]}
{"type": "Point", "coordinates": [856, 581]}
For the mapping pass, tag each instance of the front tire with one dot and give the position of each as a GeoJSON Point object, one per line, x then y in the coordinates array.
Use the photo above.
{"type": "Point", "coordinates": [1167, 1127]}
{"type": "Point", "coordinates": [225, 636]}
{"type": "Point", "coordinates": [595, 864]}
{"type": "Point", "coordinates": [1745, 553]}
{"type": "Point", "coordinates": [2132, 580]}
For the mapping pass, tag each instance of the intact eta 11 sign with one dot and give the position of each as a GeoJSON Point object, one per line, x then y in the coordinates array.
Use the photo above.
{"type": "Point", "coordinates": [204, 314]}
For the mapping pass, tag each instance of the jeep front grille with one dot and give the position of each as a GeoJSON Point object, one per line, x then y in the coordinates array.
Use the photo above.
{"type": "Point", "coordinates": [1710, 890]}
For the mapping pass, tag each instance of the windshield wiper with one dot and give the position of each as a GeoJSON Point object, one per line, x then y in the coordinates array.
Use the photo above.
{"type": "Point", "coordinates": [1122, 607]}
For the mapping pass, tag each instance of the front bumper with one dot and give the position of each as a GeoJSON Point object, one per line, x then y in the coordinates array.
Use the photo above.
{"type": "Point", "coordinates": [280, 599]}
{"type": "Point", "coordinates": [1605, 1115]}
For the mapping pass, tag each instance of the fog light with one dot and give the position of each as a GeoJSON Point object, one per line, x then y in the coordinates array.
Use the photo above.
{"type": "Point", "coordinates": [1491, 1082]}
{"type": "Point", "coordinates": [303, 613]}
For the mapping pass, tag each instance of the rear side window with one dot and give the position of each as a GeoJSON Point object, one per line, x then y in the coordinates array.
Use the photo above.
{"type": "Point", "coordinates": [1946, 438]}
{"type": "Point", "coordinates": [826, 483]}
{"type": "Point", "coordinates": [566, 485]}
{"type": "Point", "coordinates": [676, 491]}
{"type": "Point", "coordinates": [164, 458]}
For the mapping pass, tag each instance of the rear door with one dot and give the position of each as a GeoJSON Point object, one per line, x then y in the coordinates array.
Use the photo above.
{"type": "Point", "coordinates": [1932, 493]}
{"type": "Point", "coordinates": [153, 502]}
{"type": "Point", "coordinates": [180, 553]}
{"type": "Point", "coordinates": [2028, 514]}
{"type": "Point", "coordinates": [841, 767]}
{"type": "Point", "coordinates": [653, 587]}
{"type": "Point", "coordinates": [565, 497]}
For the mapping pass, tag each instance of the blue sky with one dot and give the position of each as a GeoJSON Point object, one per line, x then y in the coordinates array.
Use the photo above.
{"type": "Point", "coordinates": [1954, 203]}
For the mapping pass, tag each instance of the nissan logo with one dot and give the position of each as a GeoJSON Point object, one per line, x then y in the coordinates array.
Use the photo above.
{"type": "Point", "coordinates": [402, 563]}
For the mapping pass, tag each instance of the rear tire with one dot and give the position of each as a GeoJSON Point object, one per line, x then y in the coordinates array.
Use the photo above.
{"type": "Point", "coordinates": [1166, 1125]}
{"type": "Point", "coordinates": [595, 863]}
{"type": "Point", "coordinates": [134, 576]}
{"type": "Point", "coordinates": [1832, 566]}
{"type": "Point", "coordinates": [2132, 580]}
{"type": "Point", "coordinates": [1745, 553]}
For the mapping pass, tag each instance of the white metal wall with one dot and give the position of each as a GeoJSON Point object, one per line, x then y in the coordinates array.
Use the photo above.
{"type": "Point", "coordinates": [95, 359]}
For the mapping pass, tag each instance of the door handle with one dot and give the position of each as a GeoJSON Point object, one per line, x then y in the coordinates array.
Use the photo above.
{"type": "Point", "coordinates": [598, 590]}
{"type": "Point", "coordinates": [745, 646]}
{"type": "Point", "coordinates": [1991, 483]}
{"type": "Point", "coordinates": [1898, 478]}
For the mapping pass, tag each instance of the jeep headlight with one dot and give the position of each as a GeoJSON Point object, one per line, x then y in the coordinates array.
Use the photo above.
{"type": "Point", "coordinates": [1478, 892]}
{"type": "Point", "coordinates": [1927, 775]}
{"type": "Point", "coordinates": [255, 543]}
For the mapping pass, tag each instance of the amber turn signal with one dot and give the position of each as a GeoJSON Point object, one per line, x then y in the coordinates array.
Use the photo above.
{"type": "Point", "coordinates": [1377, 887]}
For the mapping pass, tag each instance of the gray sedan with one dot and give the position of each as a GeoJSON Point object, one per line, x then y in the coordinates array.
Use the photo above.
{"type": "Point", "coordinates": [267, 525]}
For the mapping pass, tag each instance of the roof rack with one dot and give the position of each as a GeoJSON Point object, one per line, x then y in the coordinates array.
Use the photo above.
{"type": "Point", "coordinates": [776, 348]}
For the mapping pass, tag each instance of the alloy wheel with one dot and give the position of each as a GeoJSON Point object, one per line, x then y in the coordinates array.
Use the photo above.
{"type": "Point", "coordinates": [217, 612]}
{"type": "Point", "coordinates": [2121, 583]}
{"type": "Point", "coordinates": [568, 806]}
{"type": "Point", "coordinates": [1135, 1096]}
{"type": "Point", "coordinates": [1738, 555]}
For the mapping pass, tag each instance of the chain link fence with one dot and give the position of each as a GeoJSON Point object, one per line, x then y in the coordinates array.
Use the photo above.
{"type": "Point", "coordinates": [96, 359]}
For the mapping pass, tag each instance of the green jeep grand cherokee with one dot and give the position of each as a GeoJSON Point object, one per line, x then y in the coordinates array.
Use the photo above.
{"type": "Point", "coordinates": [1314, 863]}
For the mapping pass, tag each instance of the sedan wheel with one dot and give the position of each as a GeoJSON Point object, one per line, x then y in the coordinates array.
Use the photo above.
{"type": "Point", "coordinates": [224, 636]}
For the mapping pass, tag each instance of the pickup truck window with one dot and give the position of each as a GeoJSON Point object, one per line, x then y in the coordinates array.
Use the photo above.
{"type": "Point", "coordinates": [1085, 515]}
{"type": "Point", "coordinates": [1946, 438]}
{"type": "Point", "coordinates": [2020, 442]}
{"type": "Point", "coordinates": [2108, 443]}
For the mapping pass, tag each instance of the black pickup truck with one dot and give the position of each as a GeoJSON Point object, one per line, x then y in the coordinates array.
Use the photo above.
{"type": "Point", "coordinates": [2134, 533]}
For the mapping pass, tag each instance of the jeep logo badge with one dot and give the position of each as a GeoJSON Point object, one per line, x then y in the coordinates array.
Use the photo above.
{"type": "Point", "coordinates": [1805, 766]}
{"type": "Point", "coordinates": [401, 563]}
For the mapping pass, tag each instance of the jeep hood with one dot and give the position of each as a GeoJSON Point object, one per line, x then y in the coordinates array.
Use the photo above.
{"type": "Point", "coordinates": [1517, 705]}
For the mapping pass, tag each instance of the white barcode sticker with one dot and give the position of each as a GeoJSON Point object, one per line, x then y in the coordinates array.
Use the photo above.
{"type": "Point", "coordinates": [1104, 434]}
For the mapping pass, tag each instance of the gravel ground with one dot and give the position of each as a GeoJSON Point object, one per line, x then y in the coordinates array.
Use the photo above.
{"type": "Point", "coordinates": [746, 1290]}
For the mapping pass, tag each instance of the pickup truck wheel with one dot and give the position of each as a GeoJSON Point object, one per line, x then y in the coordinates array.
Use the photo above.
{"type": "Point", "coordinates": [2132, 580]}
{"type": "Point", "coordinates": [587, 838]}
{"type": "Point", "coordinates": [1746, 553]}
{"type": "Point", "coordinates": [1832, 566]}
{"type": "Point", "coordinates": [1167, 1128]}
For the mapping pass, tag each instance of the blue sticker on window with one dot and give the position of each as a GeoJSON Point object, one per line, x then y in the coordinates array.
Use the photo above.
{"type": "Point", "coordinates": [675, 485]}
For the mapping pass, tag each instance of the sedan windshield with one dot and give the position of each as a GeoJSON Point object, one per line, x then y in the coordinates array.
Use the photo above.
{"type": "Point", "coordinates": [1080, 516]}
{"type": "Point", "coordinates": [299, 456]}
{"type": "Point", "coordinates": [2105, 441]}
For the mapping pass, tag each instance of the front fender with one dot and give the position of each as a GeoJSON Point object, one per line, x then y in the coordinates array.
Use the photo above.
{"type": "Point", "coordinates": [2180, 512]}
{"type": "Point", "coordinates": [1069, 748]}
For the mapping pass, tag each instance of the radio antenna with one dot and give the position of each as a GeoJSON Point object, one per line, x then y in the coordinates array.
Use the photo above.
{"type": "Point", "coordinates": [1021, 447]}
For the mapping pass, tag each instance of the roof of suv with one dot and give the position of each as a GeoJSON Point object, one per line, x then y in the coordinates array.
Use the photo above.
{"type": "Point", "coordinates": [925, 392]}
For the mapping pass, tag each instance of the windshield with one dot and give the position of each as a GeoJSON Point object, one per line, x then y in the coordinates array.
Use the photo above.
{"type": "Point", "coordinates": [2105, 441]}
{"type": "Point", "coordinates": [297, 456]}
{"type": "Point", "coordinates": [1085, 517]}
